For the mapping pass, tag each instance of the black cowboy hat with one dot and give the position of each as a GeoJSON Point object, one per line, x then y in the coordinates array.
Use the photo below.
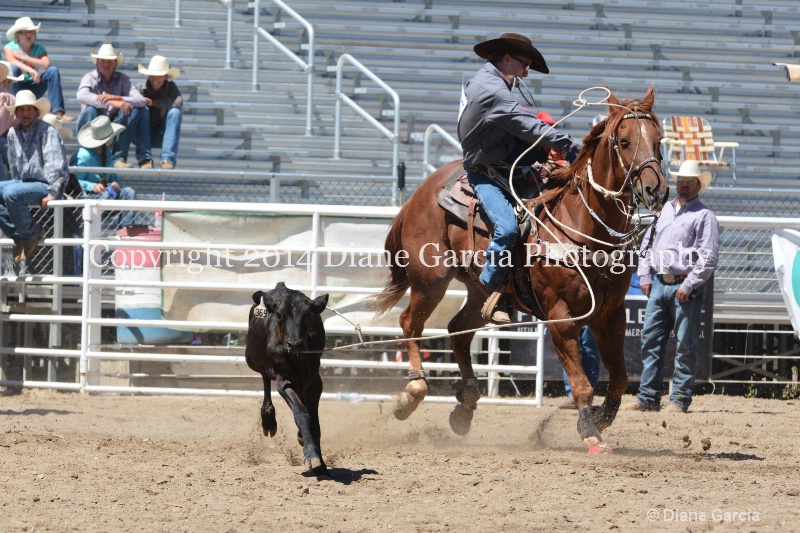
{"type": "Point", "coordinates": [513, 43]}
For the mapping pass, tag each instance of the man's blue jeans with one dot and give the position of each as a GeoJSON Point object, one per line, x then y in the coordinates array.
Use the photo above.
{"type": "Point", "coordinates": [663, 313]}
{"type": "Point", "coordinates": [122, 142]}
{"type": "Point", "coordinates": [50, 83]}
{"type": "Point", "coordinates": [167, 136]}
{"type": "Point", "coordinates": [500, 211]}
{"type": "Point", "coordinates": [590, 360]}
{"type": "Point", "coordinates": [125, 193]}
{"type": "Point", "coordinates": [16, 220]}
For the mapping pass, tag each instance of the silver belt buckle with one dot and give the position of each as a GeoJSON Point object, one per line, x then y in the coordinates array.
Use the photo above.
{"type": "Point", "coordinates": [669, 279]}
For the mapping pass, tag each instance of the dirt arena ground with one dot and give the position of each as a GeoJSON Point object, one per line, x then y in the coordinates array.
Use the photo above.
{"type": "Point", "coordinates": [72, 462]}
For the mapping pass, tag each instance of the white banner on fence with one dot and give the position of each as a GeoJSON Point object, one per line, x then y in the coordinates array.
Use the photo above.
{"type": "Point", "coordinates": [786, 253]}
{"type": "Point", "coordinates": [343, 263]}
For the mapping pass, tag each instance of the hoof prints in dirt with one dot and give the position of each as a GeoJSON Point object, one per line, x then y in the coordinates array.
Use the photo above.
{"type": "Point", "coordinates": [733, 456]}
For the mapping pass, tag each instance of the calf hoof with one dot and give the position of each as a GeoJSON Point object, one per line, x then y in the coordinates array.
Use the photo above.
{"type": "Point", "coordinates": [316, 466]}
{"type": "Point", "coordinates": [461, 419]}
{"type": "Point", "coordinates": [269, 424]}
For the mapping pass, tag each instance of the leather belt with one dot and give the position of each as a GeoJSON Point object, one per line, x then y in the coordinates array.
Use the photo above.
{"type": "Point", "coordinates": [670, 279]}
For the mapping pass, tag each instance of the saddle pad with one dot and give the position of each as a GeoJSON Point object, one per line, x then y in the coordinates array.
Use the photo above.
{"type": "Point", "coordinates": [461, 212]}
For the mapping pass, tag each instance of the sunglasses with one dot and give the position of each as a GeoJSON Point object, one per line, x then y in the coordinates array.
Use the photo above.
{"type": "Point", "coordinates": [690, 181]}
{"type": "Point", "coordinates": [526, 66]}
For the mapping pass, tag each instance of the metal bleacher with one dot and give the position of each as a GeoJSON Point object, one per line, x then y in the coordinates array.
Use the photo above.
{"type": "Point", "coordinates": [711, 59]}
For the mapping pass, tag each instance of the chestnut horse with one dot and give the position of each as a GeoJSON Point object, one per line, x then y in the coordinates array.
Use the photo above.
{"type": "Point", "coordinates": [591, 202]}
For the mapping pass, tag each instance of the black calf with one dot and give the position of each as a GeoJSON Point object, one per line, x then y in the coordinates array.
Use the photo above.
{"type": "Point", "coordinates": [285, 340]}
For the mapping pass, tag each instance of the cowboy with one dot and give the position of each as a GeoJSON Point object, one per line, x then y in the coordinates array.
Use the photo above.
{"type": "Point", "coordinates": [96, 139]}
{"type": "Point", "coordinates": [164, 103]}
{"type": "Point", "coordinates": [38, 165]}
{"type": "Point", "coordinates": [494, 129]}
{"type": "Point", "coordinates": [672, 275]}
{"type": "Point", "coordinates": [26, 56]}
{"type": "Point", "coordinates": [106, 91]}
{"type": "Point", "coordinates": [7, 118]}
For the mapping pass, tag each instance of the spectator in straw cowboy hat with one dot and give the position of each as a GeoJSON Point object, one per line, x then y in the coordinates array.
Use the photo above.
{"type": "Point", "coordinates": [27, 57]}
{"type": "Point", "coordinates": [494, 129]}
{"type": "Point", "coordinates": [7, 118]}
{"type": "Point", "coordinates": [96, 139]}
{"type": "Point", "coordinates": [38, 172]}
{"type": "Point", "coordinates": [672, 275]}
{"type": "Point", "coordinates": [164, 103]}
{"type": "Point", "coordinates": [54, 120]}
{"type": "Point", "coordinates": [107, 92]}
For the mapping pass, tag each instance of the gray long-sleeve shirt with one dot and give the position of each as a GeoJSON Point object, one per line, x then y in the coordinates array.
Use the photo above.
{"type": "Point", "coordinates": [686, 244]}
{"type": "Point", "coordinates": [93, 84]}
{"type": "Point", "coordinates": [38, 155]}
{"type": "Point", "coordinates": [493, 122]}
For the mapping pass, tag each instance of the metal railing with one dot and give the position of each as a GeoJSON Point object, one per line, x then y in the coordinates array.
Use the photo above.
{"type": "Point", "coordinates": [427, 167]}
{"type": "Point", "coordinates": [307, 66]}
{"type": "Point", "coordinates": [90, 350]}
{"type": "Point", "coordinates": [228, 37]}
{"type": "Point", "coordinates": [393, 136]}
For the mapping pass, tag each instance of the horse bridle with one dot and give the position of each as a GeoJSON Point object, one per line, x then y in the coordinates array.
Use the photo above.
{"type": "Point", "coordinates": [635, 171]}
{"type": "Point", "coordinates": [629, 176]}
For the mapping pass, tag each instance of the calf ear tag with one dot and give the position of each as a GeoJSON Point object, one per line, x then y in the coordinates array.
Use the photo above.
{"type": "Point", "coordinates": [260, 311]}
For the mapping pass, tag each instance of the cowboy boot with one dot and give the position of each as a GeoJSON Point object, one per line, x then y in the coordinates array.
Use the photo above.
{"type": "Point", "coordinates": [496, 309]}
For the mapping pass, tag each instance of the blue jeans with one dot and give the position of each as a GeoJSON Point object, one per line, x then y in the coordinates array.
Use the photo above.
{"type": "Point", "coordinates": [122, 142]}
{"type": "Point", "coordinates": [125, 193]}
{"type": "Point", "coordinates": [500, 211]}
{"type": "Point", "coordinates": [16, 220]}
{"type": "Point", "coordinates": [663, 313]}
{"type": "Point", "coordinates": [50, 83]}
{"type": "Point", "coordinates": [590, 360]}
{"type": "Point", "coordinates": [166, 136]}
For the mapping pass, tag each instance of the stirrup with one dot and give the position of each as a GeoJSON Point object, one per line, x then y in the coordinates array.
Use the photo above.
{"type": "Point", "coordinates": [488, 310]}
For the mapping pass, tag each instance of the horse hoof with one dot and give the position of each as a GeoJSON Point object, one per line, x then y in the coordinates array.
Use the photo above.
{"type": "Point", "coordinates": [461, 420]}
{"type": "Point", "coordinates": [603, 448]}
{"type": "Point", "coordinates": [405, 405]}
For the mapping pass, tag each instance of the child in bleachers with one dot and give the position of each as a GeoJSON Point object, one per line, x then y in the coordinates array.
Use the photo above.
{"type": "Point", "coordinates": [26, 57]}
{"type": "Point", "coordinates": [164, 103]}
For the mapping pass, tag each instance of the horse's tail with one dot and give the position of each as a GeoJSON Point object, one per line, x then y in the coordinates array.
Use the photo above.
{"type": "Point", "coordinates": [398, 283]}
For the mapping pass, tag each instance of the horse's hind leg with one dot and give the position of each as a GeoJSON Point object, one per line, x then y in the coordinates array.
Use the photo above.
{"type": "Point", "coordinates": [467, 392]}
{"type": "Point", "coordinates": [423, 301]}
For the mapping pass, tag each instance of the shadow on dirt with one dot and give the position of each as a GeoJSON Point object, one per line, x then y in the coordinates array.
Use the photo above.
{"type": "Point", "coordinates": [39, 412]}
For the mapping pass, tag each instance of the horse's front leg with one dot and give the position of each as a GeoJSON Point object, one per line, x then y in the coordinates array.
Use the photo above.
{"type": "Point", "coordinates": [467, 391]}
{"type": "Point", "coordinates": [269, 424]}
{"type": "Point", "coordinates": [610, 338]}
{"type": "Point", "coordinates": [422, 303]}
{"type": "Point", "coordinates": [312, 456]}
{"type": "Point", "coordinates": [565, 337]}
